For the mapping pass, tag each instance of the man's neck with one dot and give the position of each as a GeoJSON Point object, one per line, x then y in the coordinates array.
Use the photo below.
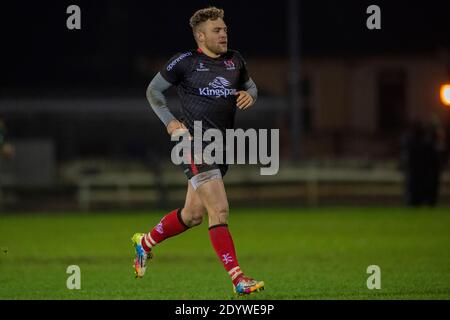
{"type": "Point", "coordinates": [208, 52]}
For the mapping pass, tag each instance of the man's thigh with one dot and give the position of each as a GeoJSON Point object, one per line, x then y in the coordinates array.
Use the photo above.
{"type": "Point", "coordinates": [213, 196]}
{"type": "Point", "coordinates": [193, 203]}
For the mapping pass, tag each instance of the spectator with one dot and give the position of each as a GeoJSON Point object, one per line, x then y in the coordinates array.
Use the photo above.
{"type": "Point", "coordinates": [422, 162]}
{"type": "Point", "coordinates": [7, 150]}
{"type": "Point", "coordinates": [434, 160]}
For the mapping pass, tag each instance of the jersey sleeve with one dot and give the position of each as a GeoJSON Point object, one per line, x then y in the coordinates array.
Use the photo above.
{"type": "Point", "coordinates": [243, 76]}
{"type": "Point", "coordinates": [174, 70]}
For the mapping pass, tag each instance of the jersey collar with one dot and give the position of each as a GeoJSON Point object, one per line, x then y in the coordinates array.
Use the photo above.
{"type": "Point", "coordinates": [221, 57]}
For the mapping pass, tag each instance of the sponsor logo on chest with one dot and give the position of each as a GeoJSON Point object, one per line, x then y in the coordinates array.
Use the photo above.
{"type": "Point", "coordinates": [219, 87]}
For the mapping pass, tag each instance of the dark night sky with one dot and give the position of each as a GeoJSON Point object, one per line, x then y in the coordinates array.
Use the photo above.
{"type": "Point", "coordinates": [39, 51]}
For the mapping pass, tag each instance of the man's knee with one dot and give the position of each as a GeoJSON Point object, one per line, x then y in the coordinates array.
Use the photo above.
{"type": "Point", "coordinates": [193, 216]}
{"type": "Point", "coordinates": [220, 213]}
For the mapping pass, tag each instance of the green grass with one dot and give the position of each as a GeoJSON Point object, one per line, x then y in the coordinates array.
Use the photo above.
{"type": "Point", "coordinates": [299, 253]}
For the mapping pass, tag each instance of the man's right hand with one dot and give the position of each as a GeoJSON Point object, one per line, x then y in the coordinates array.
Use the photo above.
{"type": "Point", "coordinates": [175, 125]}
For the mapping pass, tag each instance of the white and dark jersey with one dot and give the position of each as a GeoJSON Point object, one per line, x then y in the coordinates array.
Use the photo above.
{"type": "Point", "coordinates": [207, 86]}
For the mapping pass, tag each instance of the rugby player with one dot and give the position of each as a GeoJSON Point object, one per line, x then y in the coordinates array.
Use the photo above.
{"type": "Point", "coordinates": [212, 82]}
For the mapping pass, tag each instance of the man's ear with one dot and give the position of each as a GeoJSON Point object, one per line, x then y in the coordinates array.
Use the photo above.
{"type": "Point", "coordinates": [199, 36]}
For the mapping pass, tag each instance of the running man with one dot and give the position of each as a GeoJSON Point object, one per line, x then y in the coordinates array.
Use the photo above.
{"type": "Point", "coordinates": [212, 82]}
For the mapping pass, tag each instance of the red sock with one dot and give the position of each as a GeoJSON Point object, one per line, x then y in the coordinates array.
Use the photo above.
{"type": "Point", "coordinates": [169, 226]}
{"type": "Point", "coordinates": [223, 244]}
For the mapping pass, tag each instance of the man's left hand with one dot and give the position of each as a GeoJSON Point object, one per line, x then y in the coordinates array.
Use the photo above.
{"type": "Point", "coordinates": [244, 100]}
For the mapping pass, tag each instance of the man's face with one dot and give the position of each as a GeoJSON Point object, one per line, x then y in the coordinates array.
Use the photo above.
{"type": "Point", "coordinates": [213, 35]}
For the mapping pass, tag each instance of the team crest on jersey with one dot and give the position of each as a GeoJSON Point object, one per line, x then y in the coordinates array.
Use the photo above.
{"type": "Point", "coordinates": [218, 88]}
{"type": "Point", "coordinates": [201, 67]}
{"type": "Point", "coordinates": [229, 64]}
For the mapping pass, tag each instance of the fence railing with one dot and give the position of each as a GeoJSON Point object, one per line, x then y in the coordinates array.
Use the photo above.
{"type": "Point", "coordinates": [310, 185]}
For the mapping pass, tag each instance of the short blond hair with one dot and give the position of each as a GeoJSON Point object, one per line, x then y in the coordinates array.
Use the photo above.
{"type": "Point", "coordinates": [203, 15]}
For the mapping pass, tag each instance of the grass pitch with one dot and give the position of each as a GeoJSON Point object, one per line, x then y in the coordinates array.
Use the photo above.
{"type": "Point", "coordinates": [299, 253]}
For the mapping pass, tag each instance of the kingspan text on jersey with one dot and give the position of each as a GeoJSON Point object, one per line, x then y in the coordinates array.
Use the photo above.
{"type": "Point", "coordinates": [217, 92]}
